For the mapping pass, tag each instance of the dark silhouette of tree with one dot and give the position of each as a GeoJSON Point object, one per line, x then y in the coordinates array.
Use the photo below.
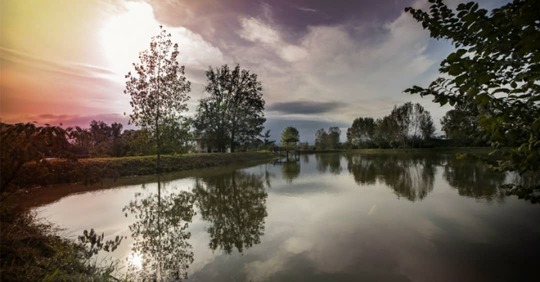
{"type": "Point", "coordinates": [161, 235]}
{"type": "Point", "coordinates": [116, 133]}
{"type": "Point", "coordinates": [462, 125]}
{"type": "Point", "coordinates": [135, 143]}
{"type": "Point", "coordinates": [407, 125]}
{"type": "Point", "coordinates": [234, 113]}
{"type": "Point", "coordinates": [328, 140]}
{"type": "Point", "coordinates": [158, 88]}
{"type": "Point", "coordinates": [235, 205]}
{"type": "Point", "coordinates": [24, 142]}
{"type": "Point", "coordinates": [387, 132]}
{"type": "Point", "coordinates": [361, 132]}
{"type": "Point", "coordinates": [496, 68]}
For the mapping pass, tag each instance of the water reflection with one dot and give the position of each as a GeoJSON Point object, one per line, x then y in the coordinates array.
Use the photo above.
{"type": "Point", "coordinates": [290, 170]}
{"type": "Point", "coordinates": [161, 250]}
{"type": "Point", "coordinates": [409, 177]}
{"type": "Point", "coordinates": [475, 180]}
{"type": "Point", "coordinates": [329, 163]}
{"type": "Point", "coordinates": [235, 205]}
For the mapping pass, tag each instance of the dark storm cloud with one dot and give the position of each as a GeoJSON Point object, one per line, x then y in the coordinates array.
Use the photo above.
{"type": "Point", "coordinates": [305, 107]}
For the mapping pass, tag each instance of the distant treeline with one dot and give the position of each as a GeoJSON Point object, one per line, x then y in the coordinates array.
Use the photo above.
{"type": "Point", "coordinates": [410, 125]}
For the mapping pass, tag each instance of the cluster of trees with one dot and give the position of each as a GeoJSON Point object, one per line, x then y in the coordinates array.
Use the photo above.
{"type": "Point", "coordinates": [328, 140]}
{"type": "Point", "coordinates": [461, 126]}
{"type": "Point", "coordinates": [408, 125]}
{"type": "Point", "coordinates": [495, 71]}
{"type": "Point", "coordinates": [230, 118]}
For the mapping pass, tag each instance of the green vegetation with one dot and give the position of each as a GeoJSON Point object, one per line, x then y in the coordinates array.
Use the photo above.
{"type": "Point", "coordinates": [158, 89]}
{"type": "Point", "coordinates": [33, 251]}
{"type": "Point", "coordinates": [289, 137]}
{"type": "Point", "coordinates": [95, 170]}
{"type": "Point", "coordinates": [495, 69]}
{"type": "Point", "coordinates": [233, 115]}
{"type": "Point", "coordinates": [408, 125]}
{"type": "Point", "coordinates": [327, 140]}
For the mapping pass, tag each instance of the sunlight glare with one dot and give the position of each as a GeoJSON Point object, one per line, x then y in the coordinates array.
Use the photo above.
{"type": "Point", "coordinates": [135, 261]}
{"type": "Point", "coordinates": [127, 33]}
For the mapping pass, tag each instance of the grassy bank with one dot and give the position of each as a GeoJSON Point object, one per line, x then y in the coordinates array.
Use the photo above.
{"type": "Point", "coordinates": [32, 251]}
{"type": "Point", "coordinates": [89, 171]}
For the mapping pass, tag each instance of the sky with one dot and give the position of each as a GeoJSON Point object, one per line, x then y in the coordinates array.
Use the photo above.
{"type": "Point", "coordinates": [321, 63]}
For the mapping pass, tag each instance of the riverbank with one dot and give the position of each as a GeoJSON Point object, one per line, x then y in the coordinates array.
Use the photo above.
{"type": "Point", "coordinates": [31, 250]}
{"type": "Point", "coordinates": [96, 170]}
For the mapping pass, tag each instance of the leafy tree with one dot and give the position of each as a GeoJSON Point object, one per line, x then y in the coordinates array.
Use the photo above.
{"type": "Point", "coordinates": [461, 125]}
{"type": "Point", "coordinates": [496, 68]}
{"type": "Point", "coordinates": [361, 132]}
{"type": "Point", "coordinates": [327, 140]}
{"type": "Point", "coordinates": [158, 88]}
{"type": "Point", "coordinates": [116, 133]}
{"type": "Point", "coordinates": [101, 134]}
{"type": "Point", "coordinates": [387, 132]}
{"type": "Point", "coordinates": [24, 142]}
{"type": "Point", "coordinates": [176, 137]}
{"type": "Point", "coordinates": [289, 135]}
{"type": "Point", "coordinates": [321, 139]}
{"type": "Point", "coordinates": [234, 113]}
{"type": "Point", "coordinates": [135, 143]}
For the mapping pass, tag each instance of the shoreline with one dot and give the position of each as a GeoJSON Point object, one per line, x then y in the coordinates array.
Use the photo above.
{"type": "Point", "coordinates": [125, 171]}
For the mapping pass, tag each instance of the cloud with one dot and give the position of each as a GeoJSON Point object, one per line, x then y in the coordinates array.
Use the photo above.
{"type": "Point", "coordinates": [10, 57]}
{"type": "Point", "coordinates": [305, 107]}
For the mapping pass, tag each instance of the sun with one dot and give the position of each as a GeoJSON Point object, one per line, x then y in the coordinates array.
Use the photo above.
{"type": "Point", "coordinates": [125, 34]}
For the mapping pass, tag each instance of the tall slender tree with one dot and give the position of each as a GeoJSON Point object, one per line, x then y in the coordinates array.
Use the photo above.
{"type": "Point", "coordinates": [158, 88]}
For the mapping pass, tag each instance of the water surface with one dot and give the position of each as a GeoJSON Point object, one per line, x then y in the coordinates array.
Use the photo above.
{"type": "Point", "coordinates": [325, 217]}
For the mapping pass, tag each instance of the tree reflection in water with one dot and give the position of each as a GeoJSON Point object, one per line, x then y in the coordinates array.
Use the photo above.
{"type": "Point", "coordinates": [329, 162]}
{"type": "Point", "coordinates": [474, 179]}
{"type": "Point", "coordinates": [160, 235]}
{"type": "Point", "coordinates": [290, 170]}
{"type": "Point", "coordinates": [411, 177]}
{"type": "Point", "coordinates": [235, 205]}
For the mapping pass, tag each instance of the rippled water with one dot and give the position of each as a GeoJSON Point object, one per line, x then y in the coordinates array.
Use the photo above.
{"type": "Point", "coordinates": [325, 217]}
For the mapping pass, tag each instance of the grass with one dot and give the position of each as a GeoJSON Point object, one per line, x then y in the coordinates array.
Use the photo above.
{"type": "Point", "coordinates": [32, 251]}
{"type": "Point", "coordinates": [95, 170]}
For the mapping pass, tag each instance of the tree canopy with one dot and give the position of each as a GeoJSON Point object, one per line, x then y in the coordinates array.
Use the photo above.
{"type": "Point", "coordinates": [158, 88]}
{"type": "Point", "coordinates": [496, 68]}
{"type": "Point", "coordinates": [234, 113]}
{"type": "Point", "coordinates": [289, 135]}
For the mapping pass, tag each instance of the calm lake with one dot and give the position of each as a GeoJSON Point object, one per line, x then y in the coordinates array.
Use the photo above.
{"type": "Point", "coordinates": [325, 217]}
